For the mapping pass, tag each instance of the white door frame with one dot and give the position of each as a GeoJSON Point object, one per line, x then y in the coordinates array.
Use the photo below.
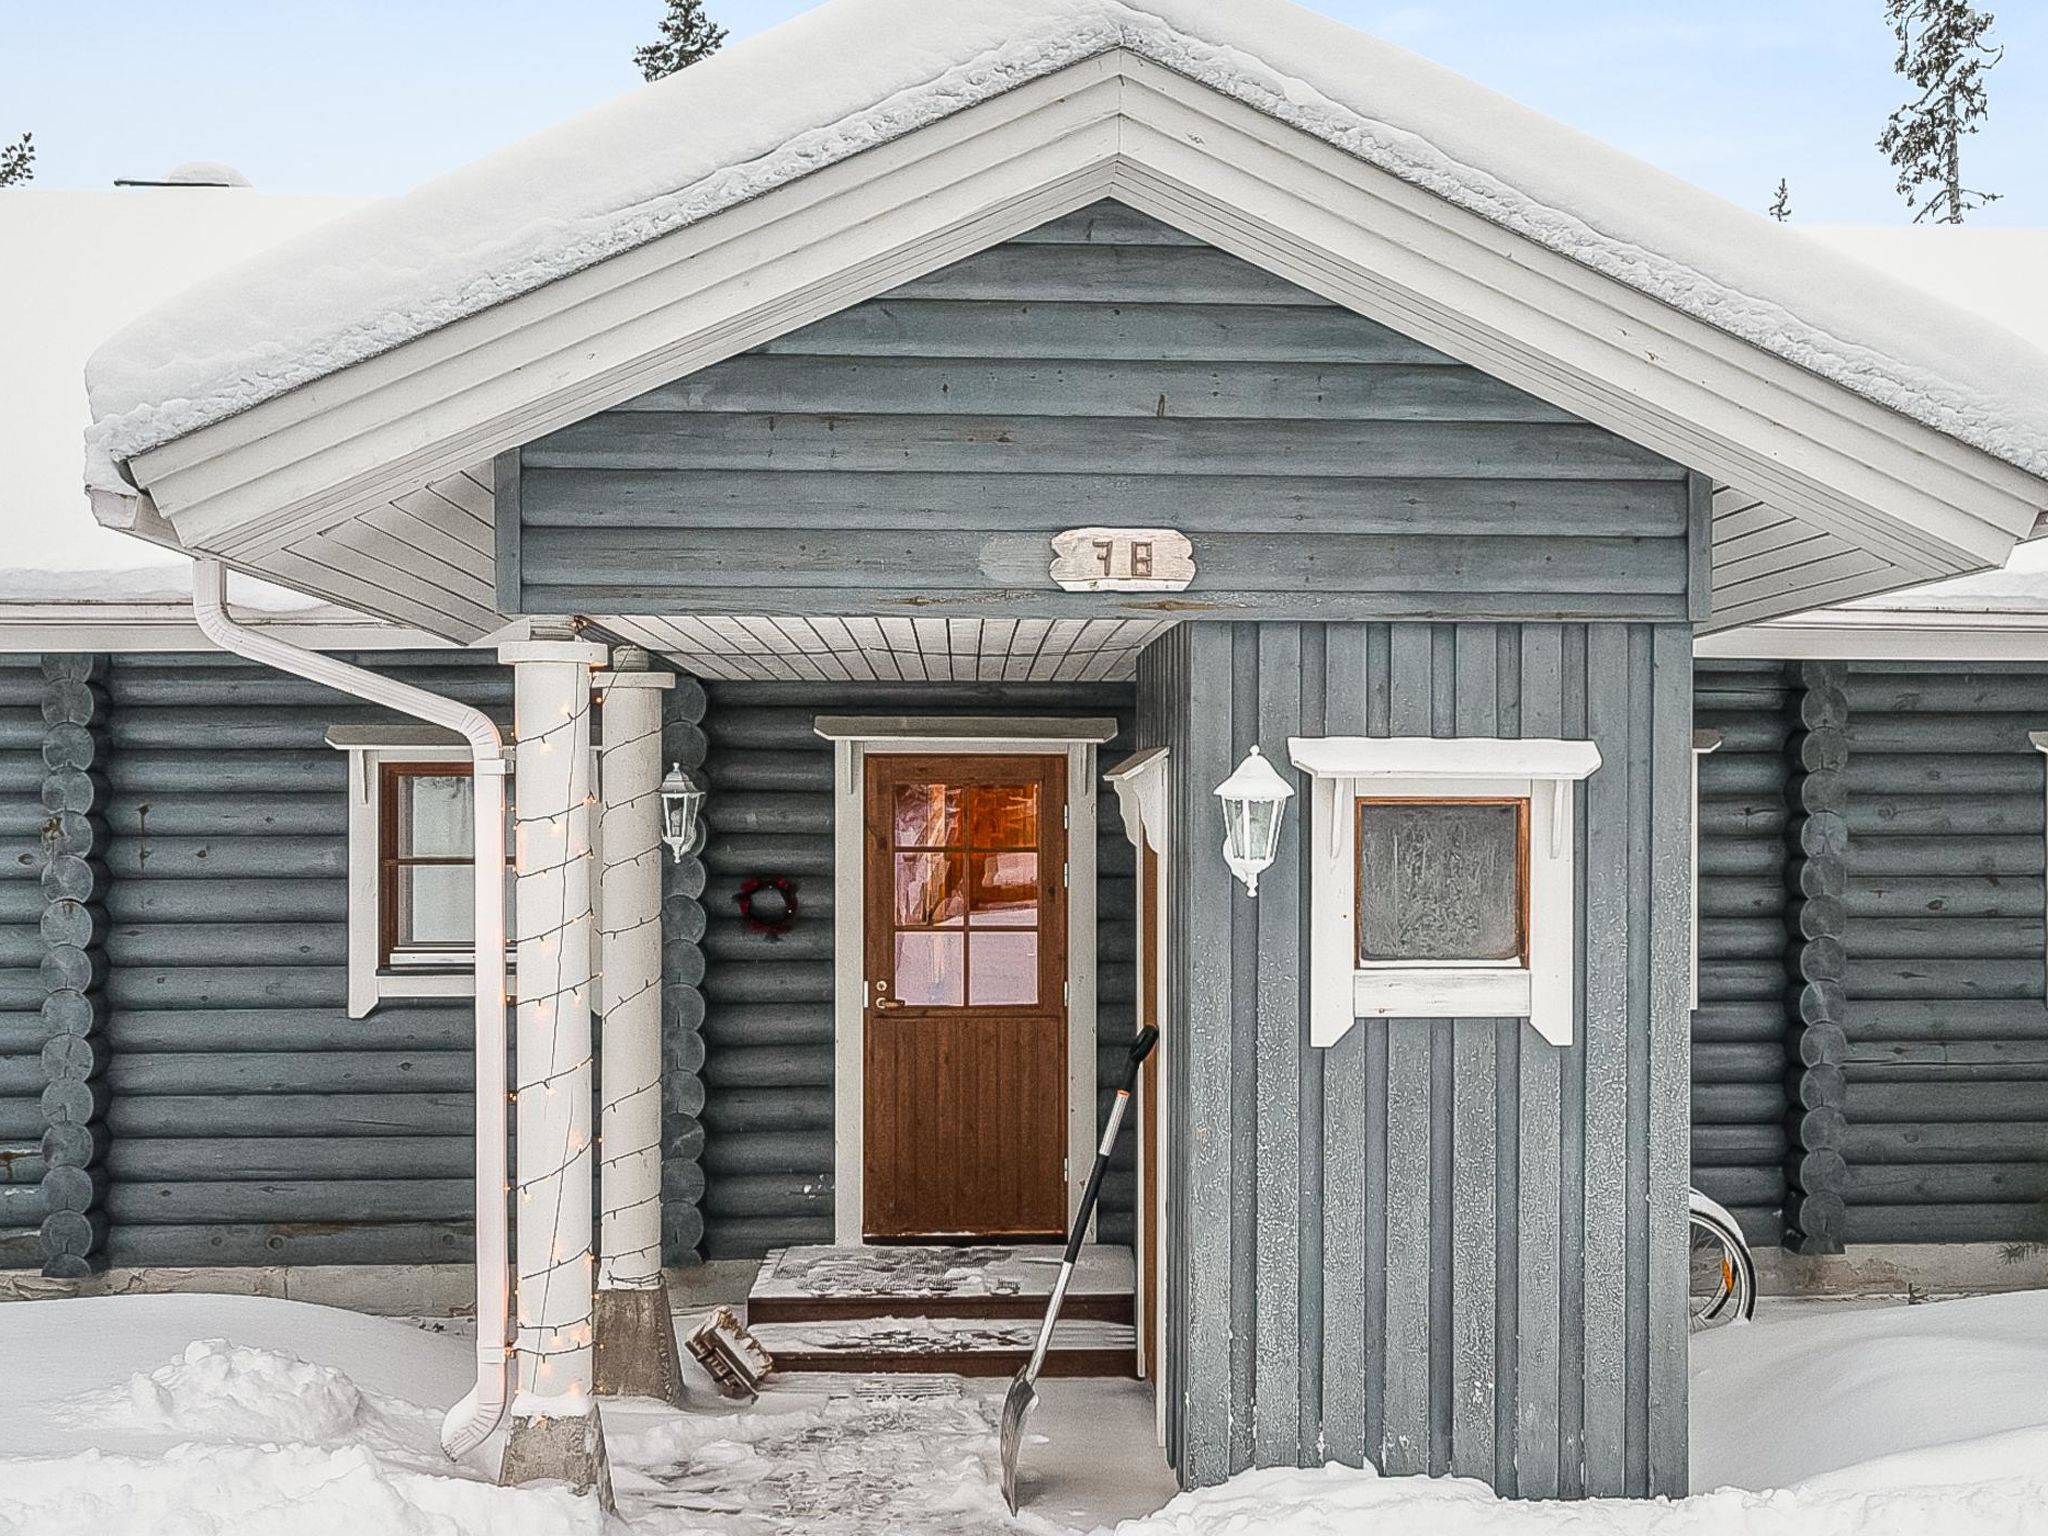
{"type": "Point", "coordinates": [853, 739]}
{"type": "Point", "coordinates": [1142, 786]}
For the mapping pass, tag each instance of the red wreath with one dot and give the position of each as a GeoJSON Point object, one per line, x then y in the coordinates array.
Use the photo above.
{"type": "Point", "coordinates": [781, 885]}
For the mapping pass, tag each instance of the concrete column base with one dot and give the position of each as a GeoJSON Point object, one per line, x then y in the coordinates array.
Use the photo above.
{"type": "Point", "coordinates": [636, 1345]}
{"type": "Point", "coordinates": [567, 1448]}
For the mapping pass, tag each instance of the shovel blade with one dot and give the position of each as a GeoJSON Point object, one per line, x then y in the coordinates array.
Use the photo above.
{"type": "Point", "coordinates": [1017, 1402]}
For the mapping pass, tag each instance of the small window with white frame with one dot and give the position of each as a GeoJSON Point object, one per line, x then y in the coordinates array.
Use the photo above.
{"type": "Point", "coordinates": [411, 909]}
{"type": "Point", "coordinates": [1441, 879]}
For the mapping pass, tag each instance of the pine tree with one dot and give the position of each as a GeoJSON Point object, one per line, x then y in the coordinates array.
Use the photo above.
{"type": "Point", "coordinates": [1781, 205]}
{"type": "Point", "coordinates": [687, 37]}
{"type": "Point", "coordinates": [1942, 52]}
{"type": "Point", "coordinates": [18, 161]}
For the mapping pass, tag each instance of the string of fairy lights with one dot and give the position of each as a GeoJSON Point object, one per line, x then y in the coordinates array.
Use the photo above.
{"type": "Point", "coordinates": [630, 1173]}
{"type": "Point", "coordinates": [553, 847]}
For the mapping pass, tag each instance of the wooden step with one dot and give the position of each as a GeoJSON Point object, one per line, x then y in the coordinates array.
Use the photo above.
{"type": "Point", "coordinates": [961, 1346]}
{"type": "Point", "coordinates": [819, 1284]}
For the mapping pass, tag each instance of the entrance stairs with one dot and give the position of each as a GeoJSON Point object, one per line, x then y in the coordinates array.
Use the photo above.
{"type": "Point", "coordinates": [970, 1311]}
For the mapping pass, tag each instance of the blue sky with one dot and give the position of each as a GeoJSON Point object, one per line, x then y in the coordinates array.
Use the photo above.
{"type": "Point", "coordinates": [373, 96]}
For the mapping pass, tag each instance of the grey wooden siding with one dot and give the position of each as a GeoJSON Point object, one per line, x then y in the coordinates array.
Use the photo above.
{"type": "Point", "coordinates": [915, 452]}
{"type": "Point", "coordinates": [768, 1067]}
{"type": "Point", "coordinates": [22, 1032]}
{"type": "Point", "coordinates": [1440, 1245]}
{"type": "Point", "coordinates": [1946, 1090]}
{"type": "Point", "coordinates": [1870, 1058]}
{"type": "Point", "coordinates": [252, 1121]}
{"type": "Point", "coordinates": [1739, 1034]}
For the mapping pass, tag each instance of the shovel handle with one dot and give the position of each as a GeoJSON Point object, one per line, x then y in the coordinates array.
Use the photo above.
{"type": "Point", "coordinates": [1141, 1047]}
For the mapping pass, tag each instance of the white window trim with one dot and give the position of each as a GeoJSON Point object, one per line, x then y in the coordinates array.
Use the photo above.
{"type": "Point", "coordinates": [369, 984]}
{"type": "Point", "coordinates": [853, 738]}
{"type": "Point", "coordinates": [1542, 772]}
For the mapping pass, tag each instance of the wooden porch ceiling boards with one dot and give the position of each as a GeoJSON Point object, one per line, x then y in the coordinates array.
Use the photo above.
{"type": "Point", "coordinates": [916, 650]}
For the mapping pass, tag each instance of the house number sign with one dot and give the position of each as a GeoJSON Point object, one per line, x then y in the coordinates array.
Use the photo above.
{"type": "Point", "coordinates": [1122, 560]}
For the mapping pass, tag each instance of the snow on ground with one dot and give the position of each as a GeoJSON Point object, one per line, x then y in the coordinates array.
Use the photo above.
{"type": "Point", "coordinates": [219, 1416]}
{"type": "Point", "coordinates": [1791, 1397]}
{"type": "Point", "coordinates": [730, 129]}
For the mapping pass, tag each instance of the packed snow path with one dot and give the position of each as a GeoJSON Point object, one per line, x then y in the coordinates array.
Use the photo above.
{"type": "Point", "coordinates": [861, 1455]}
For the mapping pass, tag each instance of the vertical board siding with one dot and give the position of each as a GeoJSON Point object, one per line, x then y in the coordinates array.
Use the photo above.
{"type": "Point", "coordinates": [1475, 1272]}
{"type": "Point", "coordinates": [252, 1120]}
{"type": "Point", "coordinates": [1946, 1091]}
{"type": "Point", "coordinates": [921, 448]}
{"type": "Point", "coordinates": [767, 1110]}
{"type": "Point", "coordinates": [1739, 1032]}
{"type": "Point", "coordinates": [22, 1031]}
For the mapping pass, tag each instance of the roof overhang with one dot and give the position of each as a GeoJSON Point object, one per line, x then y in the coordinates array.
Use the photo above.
{"type": "Point", "coordinates": [370, 486]}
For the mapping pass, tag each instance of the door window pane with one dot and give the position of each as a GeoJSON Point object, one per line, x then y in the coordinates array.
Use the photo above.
{"type": "Point", "coordinates": [1003, 815]}
{"type": "Point", "coordinates": [1005, 891]}
{"type": "Point", "coordinates": [931, 890]}
{"type": "Point", "coordinates": [434, 816]}
{"type": "Point", "coordinates": [1441, 880]}
{"type": "Point", "coordinates": [930, 969]}
{"type": "Point", "coordinates": [1005, 969]}
{"type": "Point", "coordinates": [927, 816]}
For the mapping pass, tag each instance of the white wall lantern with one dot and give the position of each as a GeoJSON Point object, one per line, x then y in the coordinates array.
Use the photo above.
{"type": "Point", "coordinates": [1254, 802]}
{"type": "Point", "coordinates": [681, 800]}
{"type": "Point", "coordinates": [1441, 879]}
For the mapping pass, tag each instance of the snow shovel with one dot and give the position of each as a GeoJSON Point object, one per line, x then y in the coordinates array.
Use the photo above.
{"type": "Point", "coordinates": [1023, 1393]}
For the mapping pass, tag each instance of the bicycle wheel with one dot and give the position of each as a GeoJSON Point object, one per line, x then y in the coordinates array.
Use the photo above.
{"type": "Point", "coordinates": [1723, 1273]}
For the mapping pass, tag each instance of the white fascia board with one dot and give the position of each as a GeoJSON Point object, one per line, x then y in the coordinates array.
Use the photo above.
{"type": "Point", "coordinates": [1883, 637]}
{"type": "Point", "coordinates": [1118, 126]}
{"type": "Point", "coordinates": [1441, 757]}
{"type": "Point", "coordinates": [118, 627]}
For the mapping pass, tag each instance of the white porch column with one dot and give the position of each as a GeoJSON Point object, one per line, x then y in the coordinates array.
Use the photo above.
{"type": "Point", "coordinates": [555, 1430]}
{"type": "Point", "coordinates": [636, 1344]}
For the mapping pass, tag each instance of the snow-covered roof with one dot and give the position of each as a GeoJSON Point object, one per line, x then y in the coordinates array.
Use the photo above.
{"type": "Point", "coordinates": [74, 266]}
{"type": "Point", "coordinates": [854, 74]}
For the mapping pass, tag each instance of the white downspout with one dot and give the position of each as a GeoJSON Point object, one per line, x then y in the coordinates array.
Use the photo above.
{"type": "Point", "coordinates": [470, 1422]}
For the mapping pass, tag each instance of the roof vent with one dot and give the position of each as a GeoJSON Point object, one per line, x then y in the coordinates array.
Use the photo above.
{"type": "Point", "coordinates": [193, 173]}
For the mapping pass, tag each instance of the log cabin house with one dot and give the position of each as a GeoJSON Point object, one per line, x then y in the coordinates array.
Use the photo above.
{"type": "Point", "coordinates": [954, 468]}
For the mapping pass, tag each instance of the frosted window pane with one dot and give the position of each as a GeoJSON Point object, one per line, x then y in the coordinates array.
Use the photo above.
{"type": "Point", "coordinates": [1005, 969]}
{"type": "Point", "coordinates": [931, 890]}
{"type": "Point", "coordinates": [929, 969]}
{"type": "Point", "coordinates": [436, 905]}
{"type": "Point", "coordinates": [1003, 816]}
{"type": "Point", "coordinates": [1005, 890]}
{"type": "Point", "coordinates": [1440, 881]}
{"type": "Point", "coordinates": [434, 816]}
{"type": "Point", "coordinates": [927, 816]}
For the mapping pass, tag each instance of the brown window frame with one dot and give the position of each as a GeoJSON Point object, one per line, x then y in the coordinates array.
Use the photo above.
{"type": "Point", "coordinates": [413, 959]}
{"type": "Point", "coordinates": [1521, 958]}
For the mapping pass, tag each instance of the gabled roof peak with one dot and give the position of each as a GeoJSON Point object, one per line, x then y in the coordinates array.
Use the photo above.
{"type": "Point", "coordinates": [856, 74]}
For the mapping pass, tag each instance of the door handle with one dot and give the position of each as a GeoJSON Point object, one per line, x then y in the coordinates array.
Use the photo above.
{"type": "Point", "coordinates": [886, 1004]}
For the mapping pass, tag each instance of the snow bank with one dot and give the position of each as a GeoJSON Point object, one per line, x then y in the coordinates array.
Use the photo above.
{"type": "Point", "coordinates": [853, 74]}
{"type": "Point", "coordinates": [1795, 1396]}
{"type": "Point", "coordinates": [290, 1490]}
{"type": "Point", "coordinates": [1339, 1501]}
{"type": "Point", "coordinates": [283, 1417]}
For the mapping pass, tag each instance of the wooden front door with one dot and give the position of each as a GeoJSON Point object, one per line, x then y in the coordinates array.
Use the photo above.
{"type": "Point", "coordinates": [966, 1020]}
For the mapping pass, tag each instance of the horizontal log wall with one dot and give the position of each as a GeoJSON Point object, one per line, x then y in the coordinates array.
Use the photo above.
{"type": "Point", "coordinates": [1739, 1104]}
{"type": "Point", "coordinates": [768, 1022]}
{"type": "Point", "coordinates": [1870, 1060]}
{"type": "Point", "coordinates": [252, 1121]}
{"type": "Point", "coordinates": [1438, 1244]}
{"type": "Point", "coordinates": [22, 1031]}
{"type": "Point", "coordinates": [914, 453]}
{"type": "Point", "coordinates": [1945, 1090]}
